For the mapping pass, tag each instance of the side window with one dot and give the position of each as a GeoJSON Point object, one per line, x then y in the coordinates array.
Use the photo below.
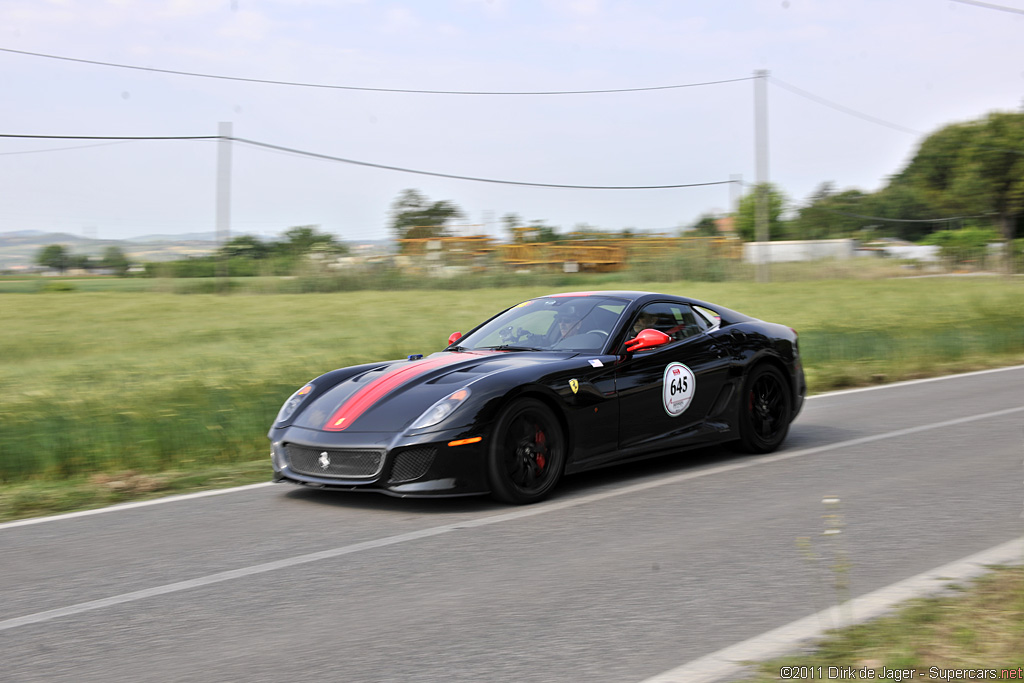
{"type": "Point", "coordinates": [678, 321]}
{"type": "Point", "coordinates": [708, 316]}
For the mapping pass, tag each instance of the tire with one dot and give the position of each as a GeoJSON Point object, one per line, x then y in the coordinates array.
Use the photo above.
{"type": "Point", "coordinates": [764, 411]}
{"type": "Point", "coordinates": [527, 453]}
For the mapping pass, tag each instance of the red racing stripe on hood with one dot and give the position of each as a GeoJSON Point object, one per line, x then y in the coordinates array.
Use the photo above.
{"type": "Point", "coordinates": [359, 402]}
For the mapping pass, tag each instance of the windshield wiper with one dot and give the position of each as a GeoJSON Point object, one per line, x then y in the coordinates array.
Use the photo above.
{"type": "Point", "coordinates": [510, 347]}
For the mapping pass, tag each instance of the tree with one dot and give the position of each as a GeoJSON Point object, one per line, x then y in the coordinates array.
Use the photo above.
{"type": "Point", "coordinates": [245, 246]}
{"type": "Point", "coordinates": [705, 226]}
{"type": "Point", "coordinates": [305, 239]}
{"type": "Point", "coordinates": [830, 214]}
{"type": "Point", "coordinates": [513, 224]}
{"type": "Point", "coordinates": [972, 169]}
{"type": "Point", "coordinates": [115, 260]}
{"type": "Point", "coordinates": [746, 214]}
{"type": "Point", "coordinates": [906, 207]}
{"type": "Point", "coordinates": [79, 262]}
{"type": "Point", "coordinates": [414, 216]}
{"type": "Point", "coordinates": [539, 231]}
{"type": "Point", "coordinates": [54, 256]}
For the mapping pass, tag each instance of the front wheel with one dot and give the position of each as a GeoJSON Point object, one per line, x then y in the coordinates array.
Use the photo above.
{"type": "Point", "coordinates": [527, 453]}
{"type": "Point", "coordinates": [765, 407]}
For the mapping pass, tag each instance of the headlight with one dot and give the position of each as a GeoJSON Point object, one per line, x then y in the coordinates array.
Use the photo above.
{"type": "Point", "coordinates": [292, 404]}
{"type": "Point", "coordinates": [441, 409]}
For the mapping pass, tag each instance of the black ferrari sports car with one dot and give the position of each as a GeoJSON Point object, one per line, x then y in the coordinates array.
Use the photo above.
{"type": "Point", "coordinates": [550, 386]}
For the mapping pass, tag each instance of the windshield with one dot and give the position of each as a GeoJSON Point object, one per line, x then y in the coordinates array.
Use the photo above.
{"type": "Point", "coordinates": [555, 323]}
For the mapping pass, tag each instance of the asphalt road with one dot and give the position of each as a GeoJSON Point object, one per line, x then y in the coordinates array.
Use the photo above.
{"type": "Point", "coordinates": [624, 574]}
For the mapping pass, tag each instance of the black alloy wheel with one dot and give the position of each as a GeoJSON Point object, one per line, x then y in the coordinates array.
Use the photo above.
{"type": "Point", "coordinates": [765, 407]}
{"type": "Point", "coordinates": [527, 453]}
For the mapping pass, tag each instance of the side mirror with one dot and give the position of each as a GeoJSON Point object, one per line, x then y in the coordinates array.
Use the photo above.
{"type": "Point", "coordinates": [647, 339]}
{"type": "Point", "coordinates": [454, 337]}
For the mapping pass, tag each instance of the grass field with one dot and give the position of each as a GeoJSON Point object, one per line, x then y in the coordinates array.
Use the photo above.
{"type": "Point", "coordinates": [977, 627]}
{"type": "Point", "coordinates": [97, 384]}
{"type": "Point", "coordinates": [125, 390]}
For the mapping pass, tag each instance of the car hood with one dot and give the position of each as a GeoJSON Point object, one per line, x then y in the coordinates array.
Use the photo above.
{"type": "Point", "coordinates": [389, 397]}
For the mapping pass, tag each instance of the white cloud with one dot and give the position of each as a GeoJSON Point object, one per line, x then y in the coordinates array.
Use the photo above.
{"type": "Point", "coordinates": [400, 20]}
{"type": "Point", "coordinates": [585, 8]}
{"type": "Point", "coordinates": [247, 26]}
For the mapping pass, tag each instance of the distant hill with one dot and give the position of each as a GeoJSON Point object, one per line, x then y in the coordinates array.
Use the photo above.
{"type": "Point", "coordinates": [187, 237]}
{"type": "Point", "coordinates": [18, 248]}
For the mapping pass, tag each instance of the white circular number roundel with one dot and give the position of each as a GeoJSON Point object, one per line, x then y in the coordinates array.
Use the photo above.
{"type": "Point", "coordinates": [677, 388]}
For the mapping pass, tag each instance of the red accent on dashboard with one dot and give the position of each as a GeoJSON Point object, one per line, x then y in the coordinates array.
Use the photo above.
{"type": "Point", "coordinates": [359, 402]}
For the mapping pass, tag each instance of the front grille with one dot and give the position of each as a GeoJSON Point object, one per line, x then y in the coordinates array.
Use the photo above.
{"type": "Point", "coordinates": [347, 463]}
{"type": "Point", "coordinates": [412, 464]}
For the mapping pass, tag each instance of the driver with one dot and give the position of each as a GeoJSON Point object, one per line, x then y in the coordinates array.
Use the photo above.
{"type": "Point", "coordinates": [567, 323]}
{"type": "Point", "coordinates": [643, 321]}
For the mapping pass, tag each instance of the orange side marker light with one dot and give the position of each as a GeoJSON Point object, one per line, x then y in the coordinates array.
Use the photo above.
{"type": "Point", "coordinates": [464, 442]}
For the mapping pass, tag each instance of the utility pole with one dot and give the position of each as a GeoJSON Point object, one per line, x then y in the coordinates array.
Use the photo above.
{"type": "Point", "coordinates": [224, 134]}
{"type": "Point", "coordinates": [761, 160]}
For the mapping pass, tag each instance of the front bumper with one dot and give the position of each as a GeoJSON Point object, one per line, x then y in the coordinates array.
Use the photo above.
{"type": "Point", "coordinates": [800, 385]}
{"type": "Point", "coordinates": [422, 465]}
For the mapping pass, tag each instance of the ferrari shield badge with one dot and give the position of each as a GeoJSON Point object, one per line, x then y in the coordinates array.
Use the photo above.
{"type": "Point", "coordinates": [678, 386]}
{"type": "Point", "coordinates": [574, 385]}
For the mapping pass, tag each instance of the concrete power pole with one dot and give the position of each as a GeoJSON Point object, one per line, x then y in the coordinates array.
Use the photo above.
{"type": "Point", "coordinates": [761, 159]}
{"type": "Point", "coordinates": [225, 133]}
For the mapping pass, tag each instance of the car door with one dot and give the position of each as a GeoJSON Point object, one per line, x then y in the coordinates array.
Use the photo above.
{"type": "Point", "coordinates": [665, 393]}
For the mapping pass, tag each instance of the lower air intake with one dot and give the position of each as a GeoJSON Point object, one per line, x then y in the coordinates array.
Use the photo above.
{"type": "Point", "coordinates": [346, 463]}
{"type": "Point", "coordinates": [412, 464]}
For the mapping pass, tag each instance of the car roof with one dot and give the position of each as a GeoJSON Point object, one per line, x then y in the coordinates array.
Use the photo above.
{"type": "Point", "coordinates": [618, 294]}
{"type": "Point", "coordinates": [727, 315]}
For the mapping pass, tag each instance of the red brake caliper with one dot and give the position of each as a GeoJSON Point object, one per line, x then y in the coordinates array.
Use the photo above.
{"type": "Point", "coordinates": [539, 439]}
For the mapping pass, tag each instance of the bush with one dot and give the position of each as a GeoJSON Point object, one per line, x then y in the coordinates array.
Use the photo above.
{"type": "Point", "coordinates": [697, 264]}
{"type": "Point", "coordinates": [968, 246]}
{"type": "Point", "coordinates": [58, 286]}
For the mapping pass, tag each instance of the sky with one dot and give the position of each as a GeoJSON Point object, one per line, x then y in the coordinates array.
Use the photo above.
{"type": "Point", "coordinates": [852, 89]}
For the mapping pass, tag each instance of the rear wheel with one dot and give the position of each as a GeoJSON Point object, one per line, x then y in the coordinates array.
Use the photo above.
{"type": "Point", "coordinates": [765, 407]}
{"type": "Point", "coordinates": [527, 453]}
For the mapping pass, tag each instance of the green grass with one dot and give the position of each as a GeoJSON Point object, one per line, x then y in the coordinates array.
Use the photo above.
{"type": "Point", "coordinates": [121, 390]}
{"type": "Point", "coordinates": [982, 627]}
{"type": "Point", "coordinates": [44, 497]}
{"type": "Point", "coordinates": [113, 381]}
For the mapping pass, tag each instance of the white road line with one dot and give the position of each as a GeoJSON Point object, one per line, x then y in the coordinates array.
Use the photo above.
{"type": "Point", "coordinates": [132, 506]}
{"type": "Point", "coordinates": [203, 494]}
{"type": "Point", "coordinates": [911, 382]}
{"type": "Point", "coordinates": [728, 662]}
{"type": "Point", "coordinates": [519, 513]}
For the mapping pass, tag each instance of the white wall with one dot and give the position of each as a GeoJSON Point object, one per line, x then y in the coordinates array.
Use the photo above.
{"type": "Point", "coordinates": [798, 250]}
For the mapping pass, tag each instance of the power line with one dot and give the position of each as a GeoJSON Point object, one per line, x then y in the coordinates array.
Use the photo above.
{"type": "Point", "coordinates": [367, 89]}
{"type": "Point", "coordinates": [400, 169]}
{"type": "Point", "coordinates": [988, 5]}
{"type": "Point", "coordinates": [948, 219]}
{"type": "Point", "coordinates": [113, 137]}
{"type": "Point", "coordinates": [839, 107]}
{"type": "Point", "coordinates": [368, 164]}
{"type": "Point", "coordinates": [64, 149]}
